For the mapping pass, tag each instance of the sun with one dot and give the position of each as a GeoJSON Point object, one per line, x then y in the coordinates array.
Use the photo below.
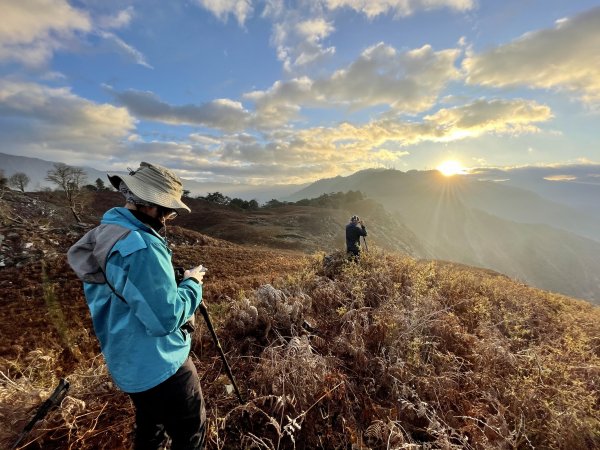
{"type": "Point", "coordinates": [451, 167]}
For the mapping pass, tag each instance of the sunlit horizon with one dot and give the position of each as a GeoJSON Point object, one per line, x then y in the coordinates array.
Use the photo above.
{"type": "Point", "coordinates": [451, 167]}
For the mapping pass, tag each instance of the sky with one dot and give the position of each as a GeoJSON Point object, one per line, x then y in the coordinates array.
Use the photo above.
{"type": "Point", "coordinates": [278, 92]}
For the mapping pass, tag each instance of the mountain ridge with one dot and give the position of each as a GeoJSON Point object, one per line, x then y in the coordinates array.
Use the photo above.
{"type": "Point", "coordinates": [454, 219]}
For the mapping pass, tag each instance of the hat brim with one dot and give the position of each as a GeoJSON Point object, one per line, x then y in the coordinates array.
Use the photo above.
{"type": "Point", "coordinates": [148, 193]}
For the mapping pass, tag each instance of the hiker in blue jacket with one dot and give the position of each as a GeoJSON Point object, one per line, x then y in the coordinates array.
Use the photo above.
{"type": "Point", "coordinates": [139, 312]}
{"type": "Point", "coordinates": [354, 230]}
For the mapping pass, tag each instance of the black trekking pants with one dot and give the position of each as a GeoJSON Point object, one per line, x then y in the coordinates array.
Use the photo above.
{"type": "Point", "coordinates": [174, 407]}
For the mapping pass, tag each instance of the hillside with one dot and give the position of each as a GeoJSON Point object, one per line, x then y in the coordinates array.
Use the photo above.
{"type": "Point", "coordinates": [466, 221]}
{"type": "Point", "coordinates": [401, 353]}
{"type": "Point", "coordinates": [305, 228]}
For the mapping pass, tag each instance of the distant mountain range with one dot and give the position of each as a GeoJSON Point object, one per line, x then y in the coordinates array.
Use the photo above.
{"type": "Point", "coordinates": [514, 231]}
{"type": "Point", "coordinates": [37, 169]}
{"type": "Point", "coordinates": [577, 186]}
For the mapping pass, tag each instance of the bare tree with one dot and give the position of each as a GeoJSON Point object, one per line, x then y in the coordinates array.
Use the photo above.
{"type": "Point", "coordinates": [70, 180]}
{"type": "Point", "coordinates": [19, 181]}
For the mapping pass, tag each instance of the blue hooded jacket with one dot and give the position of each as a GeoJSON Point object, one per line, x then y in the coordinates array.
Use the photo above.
{"type": "Point", "coordinates": [140, 337]}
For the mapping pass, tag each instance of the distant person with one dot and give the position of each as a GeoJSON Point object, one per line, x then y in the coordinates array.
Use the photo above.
{"type": "Point", "coordinates": [140, 313]}
{"type": "Point", "coordinates": [354, 230]}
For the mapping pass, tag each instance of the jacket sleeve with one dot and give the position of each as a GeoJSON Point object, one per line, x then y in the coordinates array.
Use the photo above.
{"type": "Point", "coordinates": [148, 285]}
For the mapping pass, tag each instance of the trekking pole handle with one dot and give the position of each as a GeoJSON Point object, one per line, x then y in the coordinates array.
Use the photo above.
{"type": "Point", "coordinates": [57, 396]}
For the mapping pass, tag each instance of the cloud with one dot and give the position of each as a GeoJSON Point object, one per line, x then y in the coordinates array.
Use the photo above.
{"type": "Point", "coordinates": [409, 82]}
{"type": "Point", "coordinates": [469, 121]}
{"type": "Point", "coordinates": [45, 122]}
{"type": "Point", "coordinates": [315, 29]}
{"type": "Point", "coordinates": [298, 34]}
{"type": "Point", "coordinates": [32, 30]}
{"type": "Point", "coordinates": [222, 114]}
{"type": "Point", "coordinates": [286, 154]}
{"type": "Point", "coordinates": [281, 157]}
{"type": "Point", "coordinates": [204, 139]}
{"type": "Point", "coordinates": [560, 178]}
{"type": "Point", "coordinates": [240, 9]}
{"type": "Point", "coordinates": [564, 57]}
{"type": "Point", "coordinates": [122, 47]}
{"type": "Point", "coordinates": [400, 8]}
{"type": "Point", "coordinates": [578, 172]}
{"type": "Point", "coordinates": [406, 82]}
{"type": "Point", "coordinates": [294, 156]}
{"type": "Point", "coordinates": [300, 28]}
{"type": "Point", "coordinates": [120, 20]}
{"type": "Point", "coordinates": [496, 116]}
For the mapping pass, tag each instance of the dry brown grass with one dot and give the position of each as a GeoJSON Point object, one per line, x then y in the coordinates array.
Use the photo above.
{"type": "Point", "coordinates": [424, 353]}
{"type": "Point", "coordinates": [92, 415]}
{"type": "Point", "coordinates": [404, 354]}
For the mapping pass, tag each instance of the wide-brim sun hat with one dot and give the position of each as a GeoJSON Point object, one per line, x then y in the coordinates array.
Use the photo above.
{"type": "Point", "coordinates": [154, 184]}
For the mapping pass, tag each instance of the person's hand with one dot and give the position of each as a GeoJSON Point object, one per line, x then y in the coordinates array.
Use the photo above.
{"type": "Point", "coordinates": [197, 273]}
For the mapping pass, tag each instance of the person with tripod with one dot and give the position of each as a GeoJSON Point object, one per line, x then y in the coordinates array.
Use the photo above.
{"type": "Point", "coordinates": [354, 230]}
{"type": "Point", "coordinates": [140, 313]}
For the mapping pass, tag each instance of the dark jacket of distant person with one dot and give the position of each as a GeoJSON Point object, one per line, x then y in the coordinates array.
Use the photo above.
{"type": "Point", "coordinates": [354, 230]}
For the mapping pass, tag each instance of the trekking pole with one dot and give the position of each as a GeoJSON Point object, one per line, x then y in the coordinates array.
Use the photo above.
{"type": "Point", "coordinates": [365, 241]}
{"type": "Point", "coordinates": [57, 396]}
{"type": "Point", "coordinates": [204, 313]}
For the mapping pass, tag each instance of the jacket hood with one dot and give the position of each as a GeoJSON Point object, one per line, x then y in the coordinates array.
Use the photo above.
{"type": "Point", "coordinates": [87, 257]}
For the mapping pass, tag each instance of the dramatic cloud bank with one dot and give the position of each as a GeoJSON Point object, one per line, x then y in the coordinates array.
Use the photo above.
{"type": "Point", "coordinates": [565, 57]}
{"type": "Point", "coordinates": [53, 122]}
{"type": "Point", "coordinates": [406, 82]}
{"type": "Point", "coordinates": [32, 30]}
{"type": "Point", "coordinates": [288, 155]}
{"type": "Point", "coordinates": [222, 114]}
